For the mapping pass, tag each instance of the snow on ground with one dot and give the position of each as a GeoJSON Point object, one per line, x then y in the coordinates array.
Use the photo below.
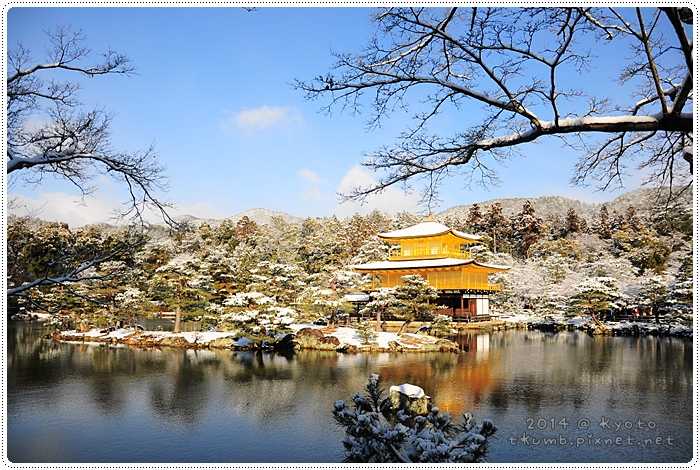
{"type": "Point", "coordinates": [204, 337]}
{"type": "Point", "coordinates": [345, 335]}
{"type": "Point", "coordinates": [350, 337]}
{"type": "Point", "coordinates": [121, 333]}
{"type": "Point", "coordinates": [516, 318]}
{"type": "Point", "coordinates": [199, 337]}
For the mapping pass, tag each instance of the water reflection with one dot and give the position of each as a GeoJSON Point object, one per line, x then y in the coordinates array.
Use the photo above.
{"type": "Point", "coordinates": [137, 405]}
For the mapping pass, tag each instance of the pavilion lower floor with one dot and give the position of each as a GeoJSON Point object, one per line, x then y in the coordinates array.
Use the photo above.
{"type": "Point", "coordinates": [465, 305]}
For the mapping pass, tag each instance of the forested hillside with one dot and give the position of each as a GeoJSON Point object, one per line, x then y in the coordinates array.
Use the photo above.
{"type": "Point", "coordinates": [574, 263]}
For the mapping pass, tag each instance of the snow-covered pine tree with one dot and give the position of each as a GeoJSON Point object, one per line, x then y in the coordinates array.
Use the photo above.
{"type": "Point", "coordinates": [365, 330]}
{"type": "Point", "coordinates": [415, 296]}
{"type": "Point", "coordinates": [496, 227]}
{"type": "Point", "coordinates": [527, 229]}
{"type": "Point", "coordinates": [603, 225]}
{"type": "Point", "coordinates": [377, 433]}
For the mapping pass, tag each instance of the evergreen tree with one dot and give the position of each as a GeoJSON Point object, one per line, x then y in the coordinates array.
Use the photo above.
{"type": "Point", "coordinates": [415, 298]}
{"type": "Point", "coordinates": [527, 229]}
{"type": "Point", "coordinates": [475, 220]}
{"type": "Point", "coordinates": [366, 332]}
{"type": "Point", "coordinates": [653, 294]}
{"type": "Point", "coordinates": [644, 248]}
{"type": "Point", "coordinates": [603, 225]}
{"type": "Point", "coordinates": [631, 219]}
{"type": "Point", "coordinates": [245, 230]}
{"type": "Point", "coordinates": [373, 249]}
{"type": "Point", "coordinates": [376, 432]}
{"type": "Point", "coordinates": [680, 298]}
{"type": "Point", "coordinates": [617, 221]}
{"type": "Point", "coordinates": [496, 227]}
{"type": "Point", "coordinates": [382, 302]}
{"type": "Point", "coordinates": [572, 222]}
{"type": "Point", "coordinates": [596, 296]}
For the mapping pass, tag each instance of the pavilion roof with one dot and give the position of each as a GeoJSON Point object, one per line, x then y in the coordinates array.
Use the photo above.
{"type": "Point", "coordinates": [427, 229]}
{"type": "Point", "coordinates": [425, 263]}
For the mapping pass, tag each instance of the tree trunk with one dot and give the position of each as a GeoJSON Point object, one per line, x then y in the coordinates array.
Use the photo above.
{"type": "Point", "coordinates": [404, 326]}
{"type": "Point", "coordinates": [379, 321]}
{"type": "Point", "coordinates": [178, 316]}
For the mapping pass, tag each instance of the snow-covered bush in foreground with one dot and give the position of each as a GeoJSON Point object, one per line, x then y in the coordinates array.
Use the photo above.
{"type": "Point", "coordinates": [376, 433]}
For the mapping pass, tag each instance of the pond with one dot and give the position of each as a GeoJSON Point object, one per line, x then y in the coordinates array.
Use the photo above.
{"type": "Point", "coordinates": [564, 397]}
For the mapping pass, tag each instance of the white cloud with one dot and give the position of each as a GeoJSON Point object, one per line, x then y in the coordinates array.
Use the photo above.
{"type": "Point", "coordinates": [260, 118]}
{"type": "Point", "coordinates": [93, 209]}
{"type": "Point", "coordinates": [63, 207]}
{"type": "Point", "coordinates": [309, 175]}
{"type": "Point", "coordinates": [391, 200]}
{"type": "Point", "coordinates": [312, 181]}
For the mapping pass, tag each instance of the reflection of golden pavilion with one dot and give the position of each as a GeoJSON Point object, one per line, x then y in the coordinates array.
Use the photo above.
{"type": "Point", "coordinates": [442, 256]}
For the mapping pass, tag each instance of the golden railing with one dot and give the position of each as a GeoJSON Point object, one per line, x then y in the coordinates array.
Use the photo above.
{"type": "Point", "coordinates": [441, 283]}
{"type": "Point", "coordinates": [396, 254]}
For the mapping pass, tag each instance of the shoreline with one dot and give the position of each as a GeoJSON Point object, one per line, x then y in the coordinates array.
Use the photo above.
{"type": "Point", "coordinates": [555, 324]}
{"type": "Point", "coordinates": [303, 337]}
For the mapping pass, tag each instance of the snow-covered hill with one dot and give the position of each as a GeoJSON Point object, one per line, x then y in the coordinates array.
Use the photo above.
{"type": "Point", "coordinates": [257, 215]}
{"type": "Point", "coordinates": [557, 206]}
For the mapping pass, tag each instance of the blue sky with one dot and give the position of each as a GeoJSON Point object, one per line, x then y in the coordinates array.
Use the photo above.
{"type": "Point", "coordinates": [213, 94]}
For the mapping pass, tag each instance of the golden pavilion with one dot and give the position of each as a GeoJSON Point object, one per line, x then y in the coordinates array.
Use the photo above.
{"type": "Point", "coordinates": [442, 256]}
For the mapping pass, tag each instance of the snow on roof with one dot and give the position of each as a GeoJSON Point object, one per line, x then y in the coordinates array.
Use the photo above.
{"type": "Point", "coordinates": [410, 390]}
{"type": "Point", "coordinates": [413, 263]}
{"type": "Point", "coordinates": [501, 267]}
{"type": "Point", "coordinates": [426, 229]}
{"type": "Point", "coordinates": [424, 263]}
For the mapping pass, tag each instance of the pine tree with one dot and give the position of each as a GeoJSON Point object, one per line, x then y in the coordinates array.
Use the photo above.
{"type": "Point", "coordinates": [415, 296]}
{"type": "Point", "coordinates": [602, 225]}
{"type": "Point", "coordinates": [617, 221]}
{"type": "Point", "coordinates": [376, 432]}
{"type": "Point", "coordinates": [680, 298]}
{"type": "Point", "coordinates": [475, 219]}
{"type": "Point", "coordinates": [382, 302]}
{"type": "Point", "coordinates": [572, 222]}
{"type": "Point", "coordinates": [497, 227]}
{"type": "Point", "coordinates": [631, 219]}
{"type": "Point", "coordinates": [366, 332]}
{"type": "Point", "coordinates": [527, 228]}
{"type": "Point", "coordinates": [597, 295]}
{"type": "Point", "coordinates": [653, 294]}
{"type": "Point", "coordinates": [245, 229]}
{"type": "Point", "coordinates": [373, 249]}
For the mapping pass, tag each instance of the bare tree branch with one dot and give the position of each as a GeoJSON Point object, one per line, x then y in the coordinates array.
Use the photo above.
{"type": "Point", "coordinates": [69, 143]}
{"type": "Point", "coordinates": [511, 61]}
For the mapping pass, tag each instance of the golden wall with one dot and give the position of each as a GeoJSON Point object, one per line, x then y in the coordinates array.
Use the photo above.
{"type": "Point", "coordinates": [459, 277]}
{"type": "Point", "coordinates": [443, 246]}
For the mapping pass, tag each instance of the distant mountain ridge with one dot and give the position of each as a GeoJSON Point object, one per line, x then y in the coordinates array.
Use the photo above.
{"type": "Point", "coordinates": [547, 207]}
{"type": "Point", "coordinates": [557, 206]}
{"type": "Point", "coordinates": [258, 215]}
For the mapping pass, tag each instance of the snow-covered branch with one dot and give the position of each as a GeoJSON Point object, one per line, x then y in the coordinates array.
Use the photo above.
{"type": "Point", "coordinates": [515, 63]}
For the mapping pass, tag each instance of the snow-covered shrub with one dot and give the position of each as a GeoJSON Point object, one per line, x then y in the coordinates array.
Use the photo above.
{"type": "Point", "coordinates": [441, 325]}
{"type": "Point", "coordinates": [248, 299]}
{"type": "Point", "coordinates": [256, 313]}
{"type": "Point", "coordinates": [365, 330]}
{"type": "Point", "coordinates": [377, 433]}
{"type": "Point", "coordinates": [598, 295]}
